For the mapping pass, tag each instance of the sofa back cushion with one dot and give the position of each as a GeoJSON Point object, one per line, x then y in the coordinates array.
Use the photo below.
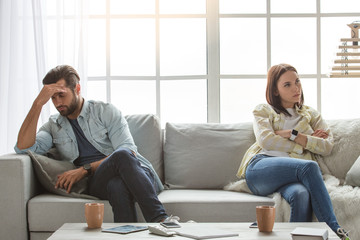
{"type": "Point", "coordinates": [346, 146]}
{"type": "Point", "coordinates": [147, 134]}
{"type": "Point", "coordinates": [202, 156]}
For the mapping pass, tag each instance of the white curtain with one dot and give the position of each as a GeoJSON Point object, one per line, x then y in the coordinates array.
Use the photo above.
{"type": "Point", "coordinates": [67, 22]}
{"type": "Point", "coordinates": [27, 52]}
{"type": "Point", "coordinates": [21, 65]}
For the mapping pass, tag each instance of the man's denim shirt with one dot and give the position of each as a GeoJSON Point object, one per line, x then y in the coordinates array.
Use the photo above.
{"type": "Point", "coordinates": [103, 125]}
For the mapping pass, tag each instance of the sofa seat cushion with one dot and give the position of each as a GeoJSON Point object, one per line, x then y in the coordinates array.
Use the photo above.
{"type": "Point", "coordinates": [212, 205]}
{"type": "Point", "coordinates": [48, 212]}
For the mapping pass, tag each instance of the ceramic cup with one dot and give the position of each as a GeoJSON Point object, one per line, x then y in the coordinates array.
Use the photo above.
{"type": "Point", "coordinates": [265, 216]}
{"type": "Point", "coordinates": [94, 214]}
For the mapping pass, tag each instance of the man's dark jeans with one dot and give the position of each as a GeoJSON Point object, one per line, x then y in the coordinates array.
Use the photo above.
{"type": "Point", "coordinates": [123, 181]}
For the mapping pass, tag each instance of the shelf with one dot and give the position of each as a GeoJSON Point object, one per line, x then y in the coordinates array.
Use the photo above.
{"type": "Point", "coordinates": [342, 75]}
{"type": "Point", "coordinates": [350, 39]}
{"type": "Point", "coordinates": [348, 54]}
{"type": "Point", "coordinates": [347, 68]}
{"type": "Point", "coordinates": [350, 46]}
{"type": "Point", "coordinates": [347, 61]}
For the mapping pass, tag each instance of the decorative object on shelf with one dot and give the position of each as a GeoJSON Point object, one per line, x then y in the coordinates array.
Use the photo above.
{"type": "Point", "coordinates": [348, 66]}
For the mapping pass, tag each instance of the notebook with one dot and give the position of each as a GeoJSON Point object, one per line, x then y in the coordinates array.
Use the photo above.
{"type": "Point", "coordinates": [198, 232]}
{"type": "Point", "coordinates": [301, 233]}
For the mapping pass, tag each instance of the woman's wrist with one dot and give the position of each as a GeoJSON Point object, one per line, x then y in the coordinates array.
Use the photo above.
{"type": "Point", "coordinates": [301, 139]}
{"type": "Point", "coordinates": [293, 134]}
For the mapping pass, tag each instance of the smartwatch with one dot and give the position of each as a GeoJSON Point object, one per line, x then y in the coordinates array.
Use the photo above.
{"type": "Point", "coordinates": [294, 134]}
{"type": "Point", "coordinates": [87, 167]}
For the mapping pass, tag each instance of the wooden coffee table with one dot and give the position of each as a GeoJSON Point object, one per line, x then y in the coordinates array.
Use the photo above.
{"type": "Point", "coordinates": [281, 231]}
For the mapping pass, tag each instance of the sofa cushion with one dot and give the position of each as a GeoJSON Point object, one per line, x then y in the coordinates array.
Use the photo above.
{"type": "Point", "coordinates": [346, 149]}
{"type": "Point", "coordinates": [147, 134]}
{"type": "Point", "coordinates": [353, 175]}
{"type": "Point", "coordinates": [48, 169]}
{"type": "Point", "coordinates": [48, 212]}
{"type": "Point", "coordinates": [204, 156]}
{"type": "Point", "coordinates": [212, 205]}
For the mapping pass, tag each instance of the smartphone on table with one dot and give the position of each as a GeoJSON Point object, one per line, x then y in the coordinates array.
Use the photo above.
{"type": "Point", "coordinates": [253, 225]}
{"type": "Point", "coordinates": [170, 224]}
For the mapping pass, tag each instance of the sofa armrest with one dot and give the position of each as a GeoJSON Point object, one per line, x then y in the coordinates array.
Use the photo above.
{"type": "Point", "coordinates": [17, 185]}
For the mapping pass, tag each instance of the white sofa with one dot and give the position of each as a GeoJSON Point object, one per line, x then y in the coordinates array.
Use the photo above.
{"type": "Point", "coordinates": [195, 161]}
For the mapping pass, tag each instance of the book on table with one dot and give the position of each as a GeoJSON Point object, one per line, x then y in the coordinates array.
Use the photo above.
{"type": "Point", "coordinates": [301, 233]}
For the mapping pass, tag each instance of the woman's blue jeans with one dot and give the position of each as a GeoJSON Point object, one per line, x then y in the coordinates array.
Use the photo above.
{"type": "Point", "coordinates": [123, 181]}
{"type": "Point", "coordinates": [298, 181]}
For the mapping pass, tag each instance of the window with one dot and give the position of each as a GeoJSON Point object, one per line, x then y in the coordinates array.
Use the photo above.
{"type": "Point", "coordinates": [204, 60]}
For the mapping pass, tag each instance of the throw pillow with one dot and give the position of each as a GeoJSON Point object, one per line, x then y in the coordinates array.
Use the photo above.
{"type": "Point", "coordinates": [346, 149]}
{"type": "Point", "coordinates": [47, 170]}
{"type": "Point", "coordinates": [353, 175]}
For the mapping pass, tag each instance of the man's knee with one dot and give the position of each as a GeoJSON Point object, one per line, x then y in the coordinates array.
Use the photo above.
{"type": "Point", "coordinates": [122, 153]}
{"type": "Point", "coordinates": [124, 157]}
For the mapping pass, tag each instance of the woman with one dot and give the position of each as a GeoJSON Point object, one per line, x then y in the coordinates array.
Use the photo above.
{"type": "Point", "coordinates": [289, 135]}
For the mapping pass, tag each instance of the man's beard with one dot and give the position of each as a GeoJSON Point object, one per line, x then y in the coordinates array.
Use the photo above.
{"type": "Point", "coordinates": [71, 108]}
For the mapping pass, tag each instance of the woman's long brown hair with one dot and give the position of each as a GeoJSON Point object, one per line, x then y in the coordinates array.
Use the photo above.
{"type": "Point", "coordinates": [273, 76]}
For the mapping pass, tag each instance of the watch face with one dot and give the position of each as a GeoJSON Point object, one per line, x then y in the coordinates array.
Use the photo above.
{"type": "Point", "coordinates": [294, 132]}
{"type": "Point", "coordinates": [87, 166]}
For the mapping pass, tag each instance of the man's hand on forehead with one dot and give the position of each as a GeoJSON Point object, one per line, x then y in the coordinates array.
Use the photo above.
{"type": "Point", "coordinates": [56, 94]}
{"type": "Point", "coordinates": [58, 89]}
{"type": "Point", "coordinates": [49, 91]}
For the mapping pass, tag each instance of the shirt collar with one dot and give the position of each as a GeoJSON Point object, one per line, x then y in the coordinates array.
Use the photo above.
{"type": "Point", "coordinates": [85, 110]}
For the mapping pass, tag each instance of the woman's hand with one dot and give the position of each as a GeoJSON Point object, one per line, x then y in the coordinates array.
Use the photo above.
{"type": "Point", "coordinates": [284, 133]}
{"type": "Point", "coordinates": [300, 139]}
{"type": "Point", "coordinates": [320, 133]}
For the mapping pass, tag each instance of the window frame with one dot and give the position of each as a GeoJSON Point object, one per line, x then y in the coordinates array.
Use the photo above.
{"type": "Point", "coordinates": [213, 75]}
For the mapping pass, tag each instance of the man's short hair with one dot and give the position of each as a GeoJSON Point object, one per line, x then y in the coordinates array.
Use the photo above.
{"type": "Point", "coordinates": [65, 72]}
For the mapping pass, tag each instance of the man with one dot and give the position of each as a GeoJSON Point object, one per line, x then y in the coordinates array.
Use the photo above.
{"type": "Point", "coordinates": [95, 137]}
